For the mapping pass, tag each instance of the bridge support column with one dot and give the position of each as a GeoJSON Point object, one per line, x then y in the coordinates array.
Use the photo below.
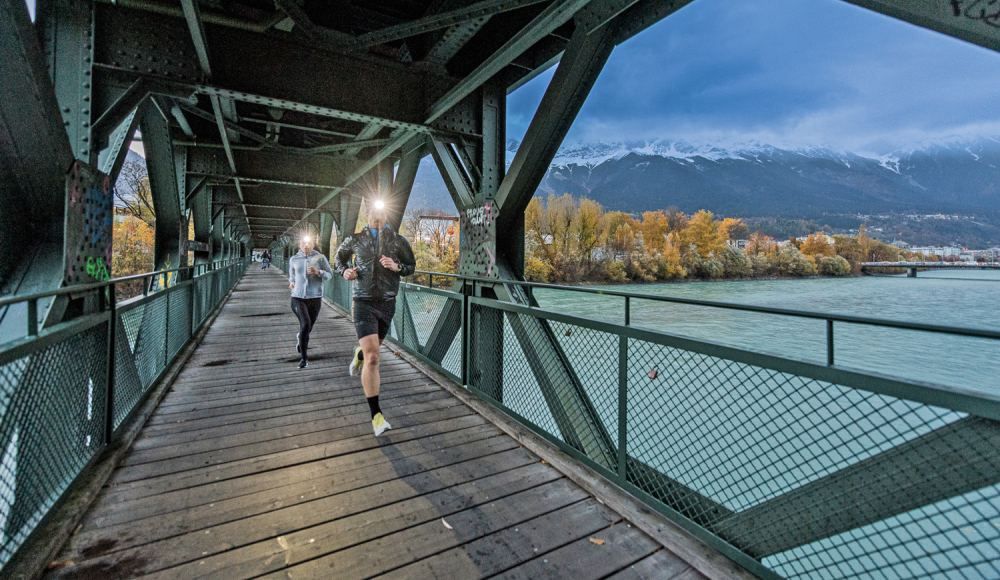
{"type": "Point", "coordinates": [491, 205]}
{"type": "Point", "coordinates": [171, 226]}
{"type": "Point", "coordinates": [911, 272]}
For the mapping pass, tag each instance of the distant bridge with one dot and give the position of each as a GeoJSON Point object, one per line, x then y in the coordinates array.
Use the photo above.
{"type": "Point", "coordinates": [911, 267]}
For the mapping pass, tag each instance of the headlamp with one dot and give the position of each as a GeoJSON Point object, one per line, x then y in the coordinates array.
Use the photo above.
{"type": "Point", "coordinates": [379, 204]}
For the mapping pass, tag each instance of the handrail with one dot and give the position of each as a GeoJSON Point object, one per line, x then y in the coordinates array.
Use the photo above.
{"type": "Point", "coordinates": [953, 330]}
{"type": "Point", "coordinates": [111, 282]}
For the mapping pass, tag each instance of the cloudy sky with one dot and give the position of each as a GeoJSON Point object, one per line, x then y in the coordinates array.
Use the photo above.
{"type": "Point", "coordinates": [816, 72]}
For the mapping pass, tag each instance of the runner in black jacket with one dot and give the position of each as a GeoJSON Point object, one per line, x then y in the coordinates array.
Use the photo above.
{"type": "Point", "coordinates": [380, 257]}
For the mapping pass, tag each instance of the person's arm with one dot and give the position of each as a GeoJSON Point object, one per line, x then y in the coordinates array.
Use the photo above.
{"type": "Point", "coordinates": [324, 269]}
{"type": "Point", "coordinates": [342, 259]}
{"type": "Point", "coordinates": [407, 262]}
{"type": "Point", "coordinates": [291, 274]}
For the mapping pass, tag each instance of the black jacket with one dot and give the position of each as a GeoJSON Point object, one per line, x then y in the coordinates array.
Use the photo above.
{"type": "Point", "coordinates": [375, 282]}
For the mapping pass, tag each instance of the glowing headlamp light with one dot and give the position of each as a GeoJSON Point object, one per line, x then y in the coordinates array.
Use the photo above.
{"type": "Point", "coordinates": [379, 204]}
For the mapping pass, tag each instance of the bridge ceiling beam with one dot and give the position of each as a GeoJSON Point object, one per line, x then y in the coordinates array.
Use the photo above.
{"type": "Point", "coordinates": [272, 166]}
{"type": "Point", "coordinates": [265, 66]}
{"type": "Point", "coordinates": [973, 21]}
{"type": "Point", "coordinates": [472, 13]}
{"type": "Point", "coordinates": [554, 16]}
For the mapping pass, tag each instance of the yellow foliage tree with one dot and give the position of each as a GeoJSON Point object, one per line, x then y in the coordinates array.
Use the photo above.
{"type": "Point", "coordinates": [733, 229]}
{"type": "Point", "coordinates": [702, 231]}
{"type": "Point", "coordinates": [654, 230]}
{"type": "Point", "coordinates": [591, 227]}
{"type": "Point", "coordinates": [132, 252]}
{"type": "Point", "coordinates": [817, 245]}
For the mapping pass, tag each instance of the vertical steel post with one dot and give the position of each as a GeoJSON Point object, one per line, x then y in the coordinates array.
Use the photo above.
{"type": "Point", "coordinates": [33, 317]}
{"type": "Point", "coordinates": [465, 332]}
{"type": "Point", "coordinates": [166, 333]}
{"type": "Point", "coordinates": [628, 311]}
{"type": "Point", "coordinates": [622, 407]}
{"type": "Point", "coordinates": [109, 396]}
{"type": "Point", "coordinates": [829, 343]}
{"type": "Point", "coordinates": [430, 280]}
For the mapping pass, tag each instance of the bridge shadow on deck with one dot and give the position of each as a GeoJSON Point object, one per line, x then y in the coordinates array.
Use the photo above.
{"type": "Point", "coordinates": [253, 468]}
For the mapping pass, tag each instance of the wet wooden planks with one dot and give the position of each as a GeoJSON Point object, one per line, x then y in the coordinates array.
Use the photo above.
{"type": "Point", "coordinates": [252, 468]}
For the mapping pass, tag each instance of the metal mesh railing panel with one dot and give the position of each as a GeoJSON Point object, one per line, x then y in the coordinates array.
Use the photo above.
{"type": "Point", "coordinates": [741, 434]}
{"type": "Point", "coordinates": [150, 352]}
{"type": "Point", "coordinates": [954, 538]}
{"type": "Point", "coordinates": [51, 425]}
{"type": "Point", "coordinates": [128, 383]}
{"type": "Point", "coordinates": [179, 320]}
{"type": "Point", "coordinates": [518, 388]}
{"type": "Point", "coordinates": [812, 478]}
{"type": "Point", "coordinates": [424, 312]}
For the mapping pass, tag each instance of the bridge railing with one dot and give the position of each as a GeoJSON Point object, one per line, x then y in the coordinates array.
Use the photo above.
{"type": "Point", "coordinates": [66, 391]}
{"type": "Point", "coordinates": [793, 468]}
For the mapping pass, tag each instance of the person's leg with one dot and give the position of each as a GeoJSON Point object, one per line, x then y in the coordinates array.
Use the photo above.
{"type": "Point", "coordinates": [305, 324]}
{"type": "Point", "coordinates": [369, 372]}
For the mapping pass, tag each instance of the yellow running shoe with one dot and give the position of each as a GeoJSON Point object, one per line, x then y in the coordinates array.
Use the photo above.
{"type": "Point", "coordinates": [355, 367]}
{"type": "Point", "coordinates": [380, 424]}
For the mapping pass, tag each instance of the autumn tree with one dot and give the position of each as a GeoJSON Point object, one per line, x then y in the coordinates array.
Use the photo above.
{"type": "Point", "coordinates": [655, 228]}
{"type": "Point", "coordinates": [592, 229]}
{"type": "Point", "coordinates": [817, 245]}
{"type": "Point", "coordinates": [702, 233]}
{"type": "Point", "coordinates": [864, 243]}
{"type": "Point", "coordinates": [733, 229]}
{"type": "Point", "coordinates": [132, 252]}
{"type": "Point", "coordinates": [758, 243]}
{"type": "Point", "coordinates": [132, 193]}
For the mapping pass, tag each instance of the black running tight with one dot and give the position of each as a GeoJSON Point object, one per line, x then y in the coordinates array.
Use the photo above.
{"type": "Point", "coordinates": [307, 310]}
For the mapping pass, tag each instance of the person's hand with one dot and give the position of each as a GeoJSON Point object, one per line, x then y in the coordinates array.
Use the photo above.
{"type": "Point", "coordinates": [313, 271]}
{"type": "Point", "coordinates": [389, 263]}
{"type": "Point", "coordinates": [291, 286]}
{"type": "Point", "coordinates": [351, 274]}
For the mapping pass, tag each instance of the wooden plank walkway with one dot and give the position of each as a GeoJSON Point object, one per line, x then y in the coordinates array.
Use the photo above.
{"type": "Point", "coordinates": [252, 468]}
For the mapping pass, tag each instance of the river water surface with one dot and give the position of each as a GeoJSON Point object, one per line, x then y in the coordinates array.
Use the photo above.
{"type": "Point", "coordinates": [969, 299]}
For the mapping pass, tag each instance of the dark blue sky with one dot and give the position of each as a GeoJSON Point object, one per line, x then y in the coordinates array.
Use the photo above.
{"type": "Point", "coordinates": [816, 72]}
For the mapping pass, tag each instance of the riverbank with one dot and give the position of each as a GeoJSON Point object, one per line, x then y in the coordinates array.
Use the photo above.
{"type": "Point", "coordinates": [709, 280]}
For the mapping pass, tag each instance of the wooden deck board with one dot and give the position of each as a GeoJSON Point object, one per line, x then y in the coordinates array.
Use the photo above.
{"type": "Point", "coordinates": [253, 468]}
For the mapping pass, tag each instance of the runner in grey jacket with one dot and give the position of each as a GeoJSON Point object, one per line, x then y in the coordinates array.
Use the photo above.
{"type": "Point", "coordinates": [307, 270]}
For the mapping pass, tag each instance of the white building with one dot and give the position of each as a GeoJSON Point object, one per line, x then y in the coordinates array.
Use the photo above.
{"type": "Point", "coordinates": [937, 251]}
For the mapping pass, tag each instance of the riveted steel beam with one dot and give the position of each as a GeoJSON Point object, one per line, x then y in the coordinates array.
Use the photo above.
{"type": "Point", "coordinates": [474, 12]}
{"type": "Point", "coordinates": [973, 21]}
{"type": "Point", "coordinates": [169, 233]}
{"type": "Point", "coordinates": [111, 159]}
{"type": "Point", "coordinates": [554, 16]}
{"type": "Point", "coordinates": [69, 41]}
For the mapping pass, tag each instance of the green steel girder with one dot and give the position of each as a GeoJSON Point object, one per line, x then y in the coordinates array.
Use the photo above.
{"type": "Point", "coordinates": [69, 43]}
{"type": "Point", "coordinates": [402, 185]}
{"type": "Point", "coordinates": [201, 206]}
{"type": "Point", "coordinates": [170, 233]}
{"type": "Point", "coordinates": [267, 66]}
{"type": "Point", "coordinates": [325, 234]}
{"type": "Point", "coordinates": [218, 235]}
{"type": "Point", "coordinates": [554, 16]}
{"type": "Point", "coordinates": [271, 166]}
{"type": "Point", "coordinates": [975, 22]}
{"type": "Point", "coordinates": [111, 159]}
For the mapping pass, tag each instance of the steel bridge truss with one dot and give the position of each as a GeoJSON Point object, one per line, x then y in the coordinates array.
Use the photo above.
{"type": "Point", "coordinates": [262, 119]}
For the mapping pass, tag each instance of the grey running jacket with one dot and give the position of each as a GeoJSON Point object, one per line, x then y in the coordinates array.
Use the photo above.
{"type": "Point", "coordinates": [308, 285]}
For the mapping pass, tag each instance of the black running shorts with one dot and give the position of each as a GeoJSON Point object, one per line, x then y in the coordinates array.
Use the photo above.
{"type": "Point", "coordinates": [373, 317]}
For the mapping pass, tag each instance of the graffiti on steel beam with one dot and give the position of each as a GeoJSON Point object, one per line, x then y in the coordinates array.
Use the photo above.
{"type": "Point", "coordinates": [89, 225]}
{"type": "Point", "coordinates": [987, 11]}
{"type": "Point", "coordinates": [478, 241]}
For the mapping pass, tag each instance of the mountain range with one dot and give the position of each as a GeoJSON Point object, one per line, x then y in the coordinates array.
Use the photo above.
{"type": "Point", "coordinates": [753, 178]}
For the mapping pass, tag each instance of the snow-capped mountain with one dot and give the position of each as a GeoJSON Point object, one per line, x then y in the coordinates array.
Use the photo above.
{"type": "Point", "coordinates": [755, 178]}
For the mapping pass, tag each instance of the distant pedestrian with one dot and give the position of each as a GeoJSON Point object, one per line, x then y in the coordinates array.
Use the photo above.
{"type": "Point", "coordinates": [265, 259]}
{"type": "Point", "coordinates": [307, 270]}
{"type": "Point", "coordinates": [380, 257]}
